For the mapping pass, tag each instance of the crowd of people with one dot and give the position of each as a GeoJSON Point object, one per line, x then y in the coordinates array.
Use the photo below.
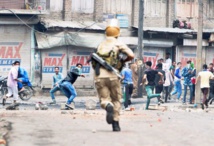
{"type": "Point", "coordinates": [166, 79]}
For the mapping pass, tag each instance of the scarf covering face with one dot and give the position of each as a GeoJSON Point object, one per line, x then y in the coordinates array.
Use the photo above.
{"type": "Point", "coordinates": [79, 70]}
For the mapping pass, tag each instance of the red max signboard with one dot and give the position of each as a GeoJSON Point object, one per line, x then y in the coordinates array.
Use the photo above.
{"type": "Point", "coordinates": [52, 60]}
{"type": "Point", "coordinates": [9, 52]}
{"type": "Point", "coordinates": [81, 57]}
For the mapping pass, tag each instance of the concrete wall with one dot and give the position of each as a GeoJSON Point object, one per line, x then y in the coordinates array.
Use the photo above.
{"type": "Point", "coordinates": [15, 45]}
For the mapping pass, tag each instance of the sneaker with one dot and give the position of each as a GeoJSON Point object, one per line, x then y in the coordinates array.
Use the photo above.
{"type": "Point", "coordinates": [53, 102]}
{"type": "Point", "coordinates": [4, 100]}
{"type": "Point", "coordinates": [211, 101]}
{"type": "Point", "coordinates": [127, 109]}
{"type": "Point", "coordinates": [184, 103]}
{"type": "Point", "coordinates": [42, 106]}
{"type": "Point", "coordinates": [109, 114]}
{"type": "Point", "coordinates": [69, 106]}
{"type": "Point", "coordinates": [202, 106]}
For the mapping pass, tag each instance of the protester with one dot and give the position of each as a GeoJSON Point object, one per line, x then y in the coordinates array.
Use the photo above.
{"type": "Point", "coordinates": [12, 80]}
{"type": "Point", "coordinates": [66, 85]}
{"type": "Point", "coordinates": [188, 73]}
{"type": "Point", "coordinates": [128, 85]}
{"type": "Point", "coordinates": [168, 80]}
{"type": "Point", "coordinates": [193, 82]}
{"type": "Point", "coordinates": [150, 77]}
{"type": "Point", "coordinates": [211, 95]}
{"type": "Point", "coordinates": [168, 59]}
{"type": "Point", "coordinates": [177, 82]}
{"type": "Point", "coordinates": [134, 69]}
{"type": "Point", "coordinates": [56, 78]}
{"type": "Point", "coordinates": [23, 79]}
{"type": "Point", "coordinates": [172, 71]}
{"type": "Point", "coordinates": [204, 77]}
{"type": "Point", "coordinates": [158, 82]}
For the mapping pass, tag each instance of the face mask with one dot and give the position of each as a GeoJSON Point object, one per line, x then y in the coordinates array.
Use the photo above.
{"type": "Point", "coordinates": [79, 70]}
{"type": "Point", "coordinates": [188, 65]}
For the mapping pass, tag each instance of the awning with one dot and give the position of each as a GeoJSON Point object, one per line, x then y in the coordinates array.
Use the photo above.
{"type": "Point", "coordinates": [92, 25]}
{"type": "Point", "coordinates": [90, 40]}
{"type": "Point", "coordinates": [50, 40]}
{"type": "Point", "coordinates": [148, 43]}
{"type": "Point", "coordinates": [169, 30]}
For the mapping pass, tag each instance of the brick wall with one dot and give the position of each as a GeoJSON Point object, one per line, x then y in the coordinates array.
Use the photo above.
{"type": "Point", "coordinates": [98, 10]}
{"type": "Point", "coordinates": [67, 10]}
{"type": "Point", "coordinates": [149, 21]}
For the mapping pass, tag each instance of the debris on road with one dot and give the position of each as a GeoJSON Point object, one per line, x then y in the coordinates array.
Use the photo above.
{"type": "Point", "coordinates": [90, 104]}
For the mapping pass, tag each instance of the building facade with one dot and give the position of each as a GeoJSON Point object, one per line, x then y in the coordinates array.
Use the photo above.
{"type": "Point", "coordinates": [49, 33]}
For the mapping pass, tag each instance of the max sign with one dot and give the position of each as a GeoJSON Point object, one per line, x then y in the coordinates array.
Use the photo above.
{"type": "Point", "coordinates": [51, 60]}
{"type": "Point", "coordinates": [186, 57]}
{"type": "Point", "coordinates": [82, 58]}
{"type": "Point", "coordinates": [151, 57]}
{"type": "Point", "coordinates": [9, 52]}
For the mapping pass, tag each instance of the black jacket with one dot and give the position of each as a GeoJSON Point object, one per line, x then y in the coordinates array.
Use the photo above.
{"type": "Point", "coordinates": [72, 76]}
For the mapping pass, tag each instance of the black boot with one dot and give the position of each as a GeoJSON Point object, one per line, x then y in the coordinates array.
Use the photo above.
{"type": "Point", "coordinates": [115, 126]}
{"type": "Point", "coordinates": [110, 113]}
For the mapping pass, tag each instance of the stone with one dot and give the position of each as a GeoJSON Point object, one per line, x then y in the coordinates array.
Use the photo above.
{"type": "Point", "coordinates": [64, 112]}
{"type": "Point", "coordinates": [90, 104]}
{"type": "Point", "coordinates": [94, 131]}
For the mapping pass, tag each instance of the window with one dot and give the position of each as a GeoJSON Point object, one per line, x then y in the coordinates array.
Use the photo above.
{"type": "Point", "coordinates": [56, 5]}
{"type": "Point", "coordinates": [210, 9]}
{"type": "Point", "coordinates": [187, 8]}
{"type": "Point", "coordinates": [83, 6]}
{"type": "Point", "coordinates": [155, 8]}
{"type": "Point", "coordinates": [117, 6]}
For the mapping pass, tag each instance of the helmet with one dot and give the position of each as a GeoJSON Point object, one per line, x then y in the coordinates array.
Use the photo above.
{"type": "Point", "coordinates": [113, 28]}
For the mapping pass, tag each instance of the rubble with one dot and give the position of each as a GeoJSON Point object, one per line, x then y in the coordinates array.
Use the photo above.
{"type": "Point", "coordinates": [90, 104]}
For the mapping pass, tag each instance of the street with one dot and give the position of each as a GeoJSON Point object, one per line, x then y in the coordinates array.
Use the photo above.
{"type": "Point", "coordinates": [166, 125]}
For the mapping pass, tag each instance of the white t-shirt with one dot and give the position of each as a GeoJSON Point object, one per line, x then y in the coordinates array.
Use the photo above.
{"type": "Point", "coordinates": [169, 61]}
{"type": "Point", "coordinates": [205, 78]}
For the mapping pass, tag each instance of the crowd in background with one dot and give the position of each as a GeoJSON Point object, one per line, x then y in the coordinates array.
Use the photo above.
{"type": "Point", "coordinates": [174, 76]}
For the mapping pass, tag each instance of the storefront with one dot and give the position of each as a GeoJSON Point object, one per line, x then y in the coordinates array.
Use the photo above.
{"type": "Point", "coordinates": [15, 44]}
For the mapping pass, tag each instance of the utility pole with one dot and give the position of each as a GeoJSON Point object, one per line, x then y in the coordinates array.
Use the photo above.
{"type": "Point", "coordinates": [140, 46]}
{"type": "Point", "coordinates": [199, 49]}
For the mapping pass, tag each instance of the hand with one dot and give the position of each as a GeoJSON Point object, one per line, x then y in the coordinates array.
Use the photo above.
{"type": "Point", "coordinates": [82, 76]}
{"type": "Point", "coordinates": [56, 84]}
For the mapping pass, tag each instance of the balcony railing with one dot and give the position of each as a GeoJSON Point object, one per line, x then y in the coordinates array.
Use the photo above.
{"type": "Point", "coordinates": [37, 5]}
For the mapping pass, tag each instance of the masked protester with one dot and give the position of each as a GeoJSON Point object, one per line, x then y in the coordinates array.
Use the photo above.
{"type": "Point", "coordinates": [188, 73]}
{"type": "Point", "coordinates": [12, 80]}
{"type": "Point", "coordinates": [107, 83]}
{"type": "Point", "coordinates": [66, 85]}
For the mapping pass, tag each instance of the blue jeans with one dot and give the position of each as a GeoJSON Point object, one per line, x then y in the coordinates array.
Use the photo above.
{"type": "Point", "coordinates": [24, 81]}
{"type": "Point", "coordinates": [69, 91]}
{"type": "Point", "coordinates": [185, 93]}
{"type": "Point", "coordinates": [177, 89]}
{"type": "Point", "coordinates": [53, 90]}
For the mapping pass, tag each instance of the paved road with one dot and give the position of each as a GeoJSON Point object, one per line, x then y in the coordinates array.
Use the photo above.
{"type": "Point", "coordinates": [172, 127]}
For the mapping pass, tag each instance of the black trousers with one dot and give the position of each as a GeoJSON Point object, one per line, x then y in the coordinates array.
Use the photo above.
{"type": "Point", "coordinates": [166, 91]}
{"type": "Point", "coordinates": [158, 89]}
{"type": "Point", "coordinates": [128, 93]}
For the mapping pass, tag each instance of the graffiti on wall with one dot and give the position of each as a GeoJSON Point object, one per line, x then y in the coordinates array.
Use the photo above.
{"type": "Point", "coordinates": [81, 57]}
{"type": "Point", "coordinates": [9, 52]}
{"type": "Point", "coordinates": [188, 56]}
{"type": "Point", "coordinates": [51, 60]}
{"type": "Point", "coordinates": [153, 57]}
